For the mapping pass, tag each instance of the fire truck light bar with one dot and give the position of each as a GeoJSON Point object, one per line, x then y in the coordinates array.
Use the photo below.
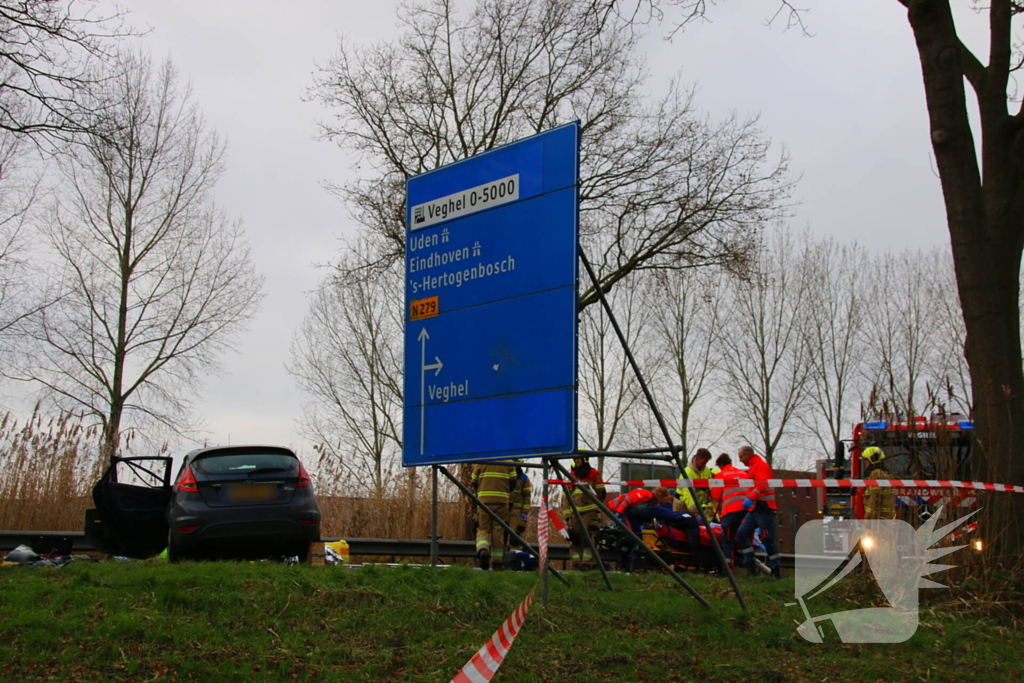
{"type": "Point", "coordinates": [965, 424]}
{"type": "Point", "coordinates": [877, 424]}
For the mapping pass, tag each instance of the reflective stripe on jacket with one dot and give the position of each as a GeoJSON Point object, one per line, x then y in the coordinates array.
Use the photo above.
{"type": "Point", "coordinates": [493, 483]}
{"type": "Point", "coordinates": [522, 491]}
{"type": "Point", "coordinates": [757, 468]}
{"type": "Point", "coordinates": [583, 503]}
{"type": "Point", "coordinates": [732, 498]}
{"type": "Point", "coordinates": [702, 494]}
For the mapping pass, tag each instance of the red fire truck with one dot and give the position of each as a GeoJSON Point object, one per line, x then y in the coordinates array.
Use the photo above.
{"type": "Point", "coordinates": [920, 448]}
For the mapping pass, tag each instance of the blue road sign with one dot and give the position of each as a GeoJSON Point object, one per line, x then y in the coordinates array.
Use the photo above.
{"type": "Point", "coordinates": [490, 293]}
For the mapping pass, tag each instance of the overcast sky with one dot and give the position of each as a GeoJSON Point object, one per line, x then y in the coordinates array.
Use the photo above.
{"type": "Point", "coordinates": [848, 104]}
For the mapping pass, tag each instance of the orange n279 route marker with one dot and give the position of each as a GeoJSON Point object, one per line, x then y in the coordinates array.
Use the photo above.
{"type": "Point", "coordinates": [421, 309]}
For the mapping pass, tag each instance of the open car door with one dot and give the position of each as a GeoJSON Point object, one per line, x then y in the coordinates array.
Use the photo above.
{"type": "Point", "coordinates": [131, 498]}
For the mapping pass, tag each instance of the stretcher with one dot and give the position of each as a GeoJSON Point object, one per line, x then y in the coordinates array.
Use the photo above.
{"type": "Point", "coordinates": [670, 543]}
{"type": "Point", "coordinates": [674, 547]}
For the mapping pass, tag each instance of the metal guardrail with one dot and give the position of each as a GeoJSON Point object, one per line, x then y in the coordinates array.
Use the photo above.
{"type": "Point", "coordinates": [386, 547]}
{"type": "Point", "coordinates": [39, 540]}
{"type": "Point", "coordinates": [43, 541]}
{"type": "Point", "coordinates": [366, 547]}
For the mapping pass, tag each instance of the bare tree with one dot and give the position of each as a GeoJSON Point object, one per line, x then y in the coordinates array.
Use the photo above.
{"type": "Point", "coordinates": [902, 335]}
{"type": "Point", "coordinates": [950, 376]}
{"type": "Point", "coordinates": [347, 357]}
{"type": "Point", "coordinates": [18, 193]}
{"type": "Point", "coordinates": [982, 175]}
{"type": "Point", "coordinates": [765, 356]}
{"type": "Point", "coordinates": [52, 53]}
{"type": "Point", "coordinates": [837, 335]}
{"type": "Point", "coordinates": [608, 388]}
{"type": "Point", "coordinates": [688, 308]}
{"type": "Point", "coordinates": [155, 280]}
{"type": "Point", "coordinates": [661, 185]}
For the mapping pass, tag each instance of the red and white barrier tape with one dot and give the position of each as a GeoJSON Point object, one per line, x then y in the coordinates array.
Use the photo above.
{"type": "Point", "coordinates": [807, 483]}
{"type": "Point", "coordinates": [967, 530]}
{"type": "Point", "coordinates": [484, 664]}
{"type": "Point", "coordinates": [542, 534]}
{"type": "Point", "coordinates": [556, 520]}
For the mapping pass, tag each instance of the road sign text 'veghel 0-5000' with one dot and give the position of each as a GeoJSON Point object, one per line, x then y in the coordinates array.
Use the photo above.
{"type": "Point", "coordinates": [490, 332]}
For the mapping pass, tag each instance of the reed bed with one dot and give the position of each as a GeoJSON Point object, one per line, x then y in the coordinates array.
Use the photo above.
{"type": "Point", "coordinates": [47, 468]}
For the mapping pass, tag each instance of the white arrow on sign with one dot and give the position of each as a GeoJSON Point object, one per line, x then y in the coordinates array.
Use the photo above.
{"type": "Point", "coordinates": [436, 367]}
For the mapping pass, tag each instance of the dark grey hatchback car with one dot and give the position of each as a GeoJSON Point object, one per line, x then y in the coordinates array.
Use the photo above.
{"type": "Point", "coordinates": [242, 501]}
{"type": "Point", "coordinates": [238, 502]}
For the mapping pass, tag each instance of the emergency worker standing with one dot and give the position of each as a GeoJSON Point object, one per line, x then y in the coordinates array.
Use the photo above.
{"type": "Point", "coordinates": [730, 499]}
{"type": "Point", "coordinates": [519, 503]}
{"type": "Point", "coordinates": [760, 506]}
{"type": "Point", "coordinates": [579, 550]}
{"type": "Point", "coordinates": [879, 502]}
{"type": "Point", "coordinates": [697, 469]}
{"type": "Point", "coordinates": [492, 485]}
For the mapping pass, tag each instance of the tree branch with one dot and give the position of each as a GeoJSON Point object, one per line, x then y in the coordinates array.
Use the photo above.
{"type": "Point", "coordinates": [973, 69]}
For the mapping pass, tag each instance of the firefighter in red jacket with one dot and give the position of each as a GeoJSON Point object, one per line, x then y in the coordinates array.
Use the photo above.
{"type": "Point", "coordinates": [760, 506]}
{"type": "Point", "coordinates": [730, 497]}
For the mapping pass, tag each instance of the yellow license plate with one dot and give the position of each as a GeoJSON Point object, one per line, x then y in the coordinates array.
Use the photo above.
{"type": "Point", "coordinates": [247, 493]}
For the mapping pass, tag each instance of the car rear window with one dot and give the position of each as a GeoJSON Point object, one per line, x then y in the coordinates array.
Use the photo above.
{"type": "Point", "coordinates": [240, 463]}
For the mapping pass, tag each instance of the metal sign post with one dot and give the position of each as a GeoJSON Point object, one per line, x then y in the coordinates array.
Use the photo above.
{"type": "Point", "coordinates": [433, 518]}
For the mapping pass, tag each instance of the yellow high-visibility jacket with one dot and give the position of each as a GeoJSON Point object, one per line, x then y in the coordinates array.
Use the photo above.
{"type": "Point", "coordinates": [703, 495]}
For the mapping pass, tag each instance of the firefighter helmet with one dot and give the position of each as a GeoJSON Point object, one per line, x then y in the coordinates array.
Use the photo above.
{"type": "Point", "coordinates": [873, 454]}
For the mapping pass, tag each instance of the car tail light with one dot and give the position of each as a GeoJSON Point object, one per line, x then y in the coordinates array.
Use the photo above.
{"type": "Point", "coordinates": [303, 477]}
{"type": "Point", "coordinates": [186, 529]}
{"type": "Point", "coordinates": [309, 522]}
{"type": "Point", "coordinates": [187, 480]}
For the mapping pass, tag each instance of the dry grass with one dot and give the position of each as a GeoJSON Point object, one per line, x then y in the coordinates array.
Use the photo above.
{"type": "Point", "coordinates": [47, 468]}
{"type": "Point", "coordinates": [989, 583]}
{"type": "Point", "coordinates": [402, 511]}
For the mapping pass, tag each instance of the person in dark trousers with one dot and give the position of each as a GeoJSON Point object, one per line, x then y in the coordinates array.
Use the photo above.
{"type": "Point", "coordinates": [760, 506]}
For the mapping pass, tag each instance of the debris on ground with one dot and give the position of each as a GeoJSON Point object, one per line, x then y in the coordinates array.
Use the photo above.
{"type": "Point", "coordinates": [24, 556]}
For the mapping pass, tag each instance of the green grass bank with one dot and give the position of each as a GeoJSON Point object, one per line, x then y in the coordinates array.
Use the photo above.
{"type": "Point", "coordinates": [239, 621]}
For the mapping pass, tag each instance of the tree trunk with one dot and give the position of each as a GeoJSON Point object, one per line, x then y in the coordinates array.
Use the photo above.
{"type": "Point", "coordinates": [986, 223]}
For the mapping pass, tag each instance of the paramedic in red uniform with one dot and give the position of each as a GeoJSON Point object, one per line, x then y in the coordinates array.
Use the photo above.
{"type": "Point", "coordinates": [760, 507]}
{"type": "Point", "coordinates": [730, 500]}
